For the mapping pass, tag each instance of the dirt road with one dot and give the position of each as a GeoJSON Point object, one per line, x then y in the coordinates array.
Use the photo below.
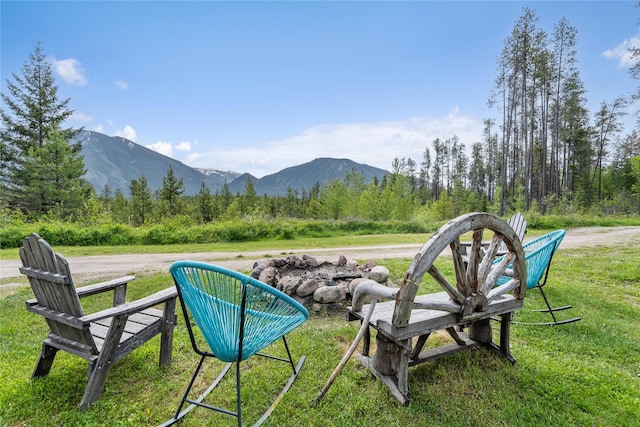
{"type": "Point", "coordinates": [110, 266]}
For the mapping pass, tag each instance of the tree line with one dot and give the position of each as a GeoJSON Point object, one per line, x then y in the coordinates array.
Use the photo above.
{"type": "Point", "coordinates": [545, 152]}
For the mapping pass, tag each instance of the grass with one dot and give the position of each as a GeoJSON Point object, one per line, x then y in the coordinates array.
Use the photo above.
{"type": "Point", "coordinates": [585, 373]}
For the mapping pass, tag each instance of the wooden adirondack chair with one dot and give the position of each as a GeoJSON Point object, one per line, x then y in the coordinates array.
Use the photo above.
{"type": "Point", "coordinates": [519, 225]}
{"type": "Point", "coordinates": [103, 337]}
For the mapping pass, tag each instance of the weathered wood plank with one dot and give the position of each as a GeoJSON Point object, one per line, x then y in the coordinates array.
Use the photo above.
{"type": "Point", "coordinates": [439, 352]}
{"type": "Point", "coordinates": [425, 321]}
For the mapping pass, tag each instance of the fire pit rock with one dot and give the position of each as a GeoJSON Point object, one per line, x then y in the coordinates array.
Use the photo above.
{"type": "Point", "coordinates": [317, 284]}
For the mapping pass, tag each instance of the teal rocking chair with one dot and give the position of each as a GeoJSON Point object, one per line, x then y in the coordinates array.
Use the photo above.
{"type": "Point", "coordinates": [238, 316]}
{"type": "Point", "coordinates": [538, 256]}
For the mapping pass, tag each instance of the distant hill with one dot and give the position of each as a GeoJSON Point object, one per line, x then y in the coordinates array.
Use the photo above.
{"type": "Point", "coordinates": [304, 176]}
{"type": "Point", "coordinates": [116, 161]}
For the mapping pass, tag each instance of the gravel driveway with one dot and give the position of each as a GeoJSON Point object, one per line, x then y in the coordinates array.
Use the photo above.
{"type": "Point", "coordinates": [109, 266]}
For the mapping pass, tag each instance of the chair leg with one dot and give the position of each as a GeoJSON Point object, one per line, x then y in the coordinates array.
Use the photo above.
{"type": "Point", "coordinates": [43, 366]}
{"type": "Point", "coordinates": [186, 393]}
{"type": "Point", "coordinates": [238, 394]}
{"type": "Point", "coordinates": [100, 370]}
{"type": "Point", "coordinates": [505, 336]}
{"type": "Point", "coordinates": [286, 346]}
{"type": "Point", "coordinates": [166, 334]}
{"type": "Point", "coordinates": [551, 311]}
{"type": "Point", "coordinates": [553, 316]}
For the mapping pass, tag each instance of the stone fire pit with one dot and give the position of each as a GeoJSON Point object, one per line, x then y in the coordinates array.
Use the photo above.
{"type": "Point", "coordinates": [317, 284]}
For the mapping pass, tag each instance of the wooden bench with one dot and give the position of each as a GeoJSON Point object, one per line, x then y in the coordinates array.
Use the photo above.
{"type": "Point", "coordinates": [468, 301]}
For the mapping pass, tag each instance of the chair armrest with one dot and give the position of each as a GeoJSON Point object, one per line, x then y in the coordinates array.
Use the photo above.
{"type": "Point", "coordinates": [466, 246]}
{"type": "Point", "coordinates": [103, 286]}
{"type": "Point", "coordinates": [133, 306]}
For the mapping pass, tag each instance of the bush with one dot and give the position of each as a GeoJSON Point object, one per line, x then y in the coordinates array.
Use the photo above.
{"type": "Point", "coordinates": [184, 230]}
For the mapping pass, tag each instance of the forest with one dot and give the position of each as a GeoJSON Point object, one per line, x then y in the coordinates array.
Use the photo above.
{"type": "Point", "coordinates": [544, 153]}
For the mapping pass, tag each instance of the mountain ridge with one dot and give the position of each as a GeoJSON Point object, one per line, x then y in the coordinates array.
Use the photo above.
{"type": "Point", "coordinates": [115, 161]}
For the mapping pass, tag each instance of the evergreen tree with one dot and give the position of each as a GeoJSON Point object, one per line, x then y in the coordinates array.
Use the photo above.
{"type": "Point", "coordinates": [56, 184]}
{"type": "Point", "coordinates": [105, 198]}
{"type": "Point", "coordinates": [120, 208]}
{"type": "Point", "coordinates": [32, 112]}
{"type": "Point", "coordinates": [607, 126]}
{"type": "Point", "coordinates": [141, 201]}
{"type": "Point", "coordinates": [172, 189]}
{"type": "Point", "coordinates": [205, 203]}
{"type": "Point", "coordinates": [250, 196]}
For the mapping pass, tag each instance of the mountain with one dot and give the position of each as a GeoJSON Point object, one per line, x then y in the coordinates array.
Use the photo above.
{"type": "Point", "coordinates": [305, 176]}
{"type": "Point", "coordinates": [226, 175]}
{"type": "Point", "coordinates": [116, 161]}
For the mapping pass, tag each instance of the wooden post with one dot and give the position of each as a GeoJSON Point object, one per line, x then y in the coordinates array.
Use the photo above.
{"type": "Point", "coordinates": [480, 331]}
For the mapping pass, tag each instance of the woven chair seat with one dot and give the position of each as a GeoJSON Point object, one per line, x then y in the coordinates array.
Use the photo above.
{"type": "Point", "coordinates": [537, 254]}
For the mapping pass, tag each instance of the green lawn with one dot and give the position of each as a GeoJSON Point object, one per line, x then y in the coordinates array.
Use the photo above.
{"type": "Point", "coordinates": [585, 373]}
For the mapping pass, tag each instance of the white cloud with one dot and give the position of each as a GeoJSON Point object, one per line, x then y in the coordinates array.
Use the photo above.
{"type": "Point", "coordinates": [184, 146]}
{"type": "Point", "coordinates": [622, 53]}
{"type": "Point", "coordinates": [98, 128]}
{"type": "Point", "coordinates": [70, 70]}
{"type": "Point", "coordinates": [122, 85]}
{"type": "Point", "coordinates": [375, 144]}
{"type": "Point", "coordinates": [162, 147]}
{"type": "Point", "coordinates": [128, 132]}
{"type": "Point", "coordinates": [168, 149]}
{"type": "Point", "coordinates": [81, 117]}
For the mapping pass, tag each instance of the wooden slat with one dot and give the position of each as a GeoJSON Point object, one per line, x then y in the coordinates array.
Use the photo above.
{"type": "Point", "coordinates": [56, 316]}
{"type": "Point", "coordinates": [445, 350]}
{"type": "Point", "coordinates": [426, 321]}
{"type": "Point", "coordinates": [74, 347]}
{"type": "Point", "coordinates": [45, 275]}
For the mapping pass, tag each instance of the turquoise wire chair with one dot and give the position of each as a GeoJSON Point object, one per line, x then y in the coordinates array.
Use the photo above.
{"type": "Point", "coordinates": [238, 316]}
{"type": "Point", "coordinates": [538, 256]}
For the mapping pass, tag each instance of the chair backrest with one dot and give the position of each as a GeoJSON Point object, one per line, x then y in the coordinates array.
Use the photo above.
{"type": "Point", "coordinates": [49, 276]}
{"type": "Point", "coordinates": [50, 279]}
{"type": "Point", "coordinates": [519, 225]}
{"type": "Point", "coordinates": [237, 314]}
{"type": "Point", "coordinates": [538, 254]}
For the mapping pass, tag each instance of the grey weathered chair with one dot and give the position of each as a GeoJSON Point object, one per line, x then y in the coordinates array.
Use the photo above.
{"type": "Point", "coordinates": [519, 225]}
{"type": "Point", "coordinates": [103, 337]}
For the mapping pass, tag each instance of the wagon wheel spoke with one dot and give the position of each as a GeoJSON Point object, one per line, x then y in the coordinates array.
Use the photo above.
{"type": "Point", "coordinates": [498, 270]}
{"type": "Point", "coordinates": [444, 283]}
{"type": "Point", "coordinates": [475, 256]}
{"type": "Point", "coordinates": [462, 282]}
{"type": "Point", "coordinates": [487, 262]}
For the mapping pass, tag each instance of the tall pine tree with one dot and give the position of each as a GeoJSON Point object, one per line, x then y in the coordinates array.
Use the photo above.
{"type": "Point", "coordinates": [31, 118]}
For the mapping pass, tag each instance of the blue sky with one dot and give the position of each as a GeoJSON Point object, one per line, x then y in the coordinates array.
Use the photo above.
{"type": "Point", "coordinates": [260, 86]}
